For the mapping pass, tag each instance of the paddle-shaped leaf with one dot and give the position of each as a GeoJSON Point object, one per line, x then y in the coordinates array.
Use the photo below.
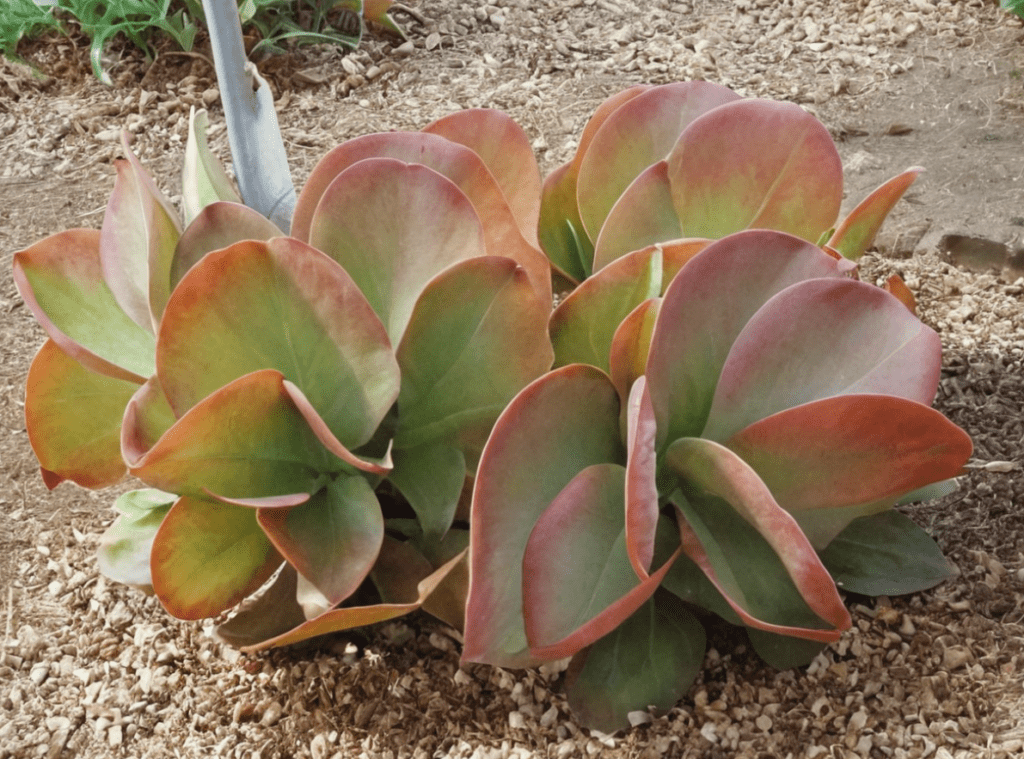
{"type": "Point", "coordinates": [885, 555]}
{"type": "Point", "coordinates": [750, 548]}
{"type": "Point", "coordinates": [124, 550]}
{"type": "Point", "coordinates": [756, 163]}
{"type": "Point", "coordinates": [279, 305]}
{"type": "Point", "coordinates": [555, 428]}
{"type": "Point", "coordinates": [651, 659]}
{"type": "Point", "coordinates": [208, 556]}
{"type": "Point", "coordinates": [73, 418]}
{"type": "Point", "coordinates": [61, 281]}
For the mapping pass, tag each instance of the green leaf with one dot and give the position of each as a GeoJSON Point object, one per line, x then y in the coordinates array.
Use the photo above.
{"type": "Point", "coordinates": [431, 477]}
{"type": "Point", "coordinates": [783, 651]}
{"type": "Point", "coordinates": [60, 278]}
{"type": "Point", "coordinates": [203, 179]}
{"type": "Point", "coordinates": [476, 336]}
{"type": "Point", "coordinates": [208, 556]}
{"type": "Point", "coordinates": [858, 230]}
{"type": "Point", "coordinates": [885, 555]}
{"type": "Point", "coordinates": [651, 659]}
{"type": "Point", "coordinates": [332, 539]}
{"type": "Point", "coordinates": [73, 417]}
{"type": "Point", "coordinates": [279, 305]}
{"type": "Point", "coordinates": [124, 549]}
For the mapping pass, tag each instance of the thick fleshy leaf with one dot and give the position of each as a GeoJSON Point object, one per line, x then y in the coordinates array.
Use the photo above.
{"type": "Point", "coordinates": [651, 659]}
{"type": "Point", "coordinates": [457, 163]}
{"type": "Point", "coordinates": [505, 149]}
{"type": "Point", "coordinates": [377, 12]}
{"type": "Point", "coordinates": [885, 555]}
{"type": "Point", "coordinates": [643, 216]}
{"type": "Point", "coordinates": [875, 346]}
{"type": "Point", "coordinates": [857, 232]}
{"type": "Point", "coordinates": [61, 281]}
{"type": "Point", "coordinates": [560, 228]}
{"type": "Point", "coordinates": [208, 556]}
{"type": "Point", "coordinates": [556, 427]}
{"type": "Point", "coordinates": [750, 548]}
{"type": "Point", "coordinates": [578, 584]}
{"type": "Point", "coordinates": [431, 478]}
{"type": "Point", "coordinates": [393, 227]}
{"type": "Point", "coordinates": [849, 450]}
{"type": "Point", "coordinates": [140, 231]}
{"type": "Point", "coordinates": [279, 305]}
{"type": "Point", "coordinates": [73, 417]}
{"type": "Point", "coordinates": [638, 134]}
{"type": "Point", "coordinates": [203, 179]}
{"type": "Point", "coordinates": [333, 538]}
{"type": "Point", "coordinates": [273, 612]}
{"type": "Point", "coordinates": [476, 336]}
{"type": "Point", "coordinates": [756, 163]}
{"type": "Point", "coordinates": [696, 328]}
{"type": "Point", "coordinates": [147, 417]}
{"type": "Point", "coordinates": [630, 346]}
{"type": "Point", "coordinates": [246, 440]}
{"type": "Point", "coordinates": [896, 287]}
{"type": "Point", "coordinates": [642, 507]}
{"type": "Point", "coordinates": [448, 601]}
{"type": "Point", "coordinates": [394, 561]}
{"type": "Point", "coordinates": [783, 651]}
{"type": "Point", "coordinates": [217, 226]}
{"type": "Point", "coordinates": [124, 550]}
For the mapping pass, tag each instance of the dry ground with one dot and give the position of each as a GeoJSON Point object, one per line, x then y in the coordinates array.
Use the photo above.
{"type": "Point", "coordinates": [88, 669]}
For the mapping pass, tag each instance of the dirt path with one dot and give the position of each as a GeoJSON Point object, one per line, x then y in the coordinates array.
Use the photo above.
{"type": "Point", "coordinates": [89, 669]}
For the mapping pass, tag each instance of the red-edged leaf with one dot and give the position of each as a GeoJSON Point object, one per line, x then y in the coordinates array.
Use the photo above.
{"type": "Point", "coordinates": [896, 287]}
{"type": "Point", "coordinates": [858, 230]}
{"type": "Point", "coordinates": [756, 163]}
{"type": "Point", "coordinates": [395, 561]}
{"type": "Point", "coordinates": [217, 226]}
{"type": "Point", "coordinates": [146, 418]}
{"type": "Point", "coordinates": [61, 281]}
{"type": "Point", "coordinates": [642, 506]}
{"type": "Point", "coordinates": [557, 426]}
{"type": "Point", "coordinates": [631, 345]}
{"type": "Point", "coordinates": [139, 233]}
{"type": "Point", "coordinates": [457, 163]}
{"type": "Point", "coordinates": [506, 151]}
{"type": "Point", "coordinates": [638, 134]}
{"type": "Point", "coordinates": [245, 440]}
{"type": "Point", "coordinates": [817, 339]}
{"type": "Point", "coordinates": [208, 556]}
{"type": "Point", "coordinates": [849, 450]}
{"type": "Point", "coordinates": [725, 508]}
{"type": "Point", "coordinates": [286, 306]}
{"type": "Point", "coordinates": [559, 210]}
{"type": "Point", "coordinates": [707, 306]}
{"type": "Point", "coordinates": [333, 538]}
{"type": "Point", "coordinates": [577, 581]}
{"type": "Point", "coordinates": [73, 417]}
{"type": "Point", "coordinates": [477, 335]}
{"type": "Point", "coordinates": [273, 612]}
{"type": "Point", "coordinates": [643, 216]}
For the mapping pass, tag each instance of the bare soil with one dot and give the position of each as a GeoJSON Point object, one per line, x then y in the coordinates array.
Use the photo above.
{"type": "Point", "coordinates": [90, 669]}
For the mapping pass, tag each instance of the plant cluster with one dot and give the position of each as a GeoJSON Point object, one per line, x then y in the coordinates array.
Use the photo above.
{"type": "Point", "coordinates": [141, 21]}
{"type": "Point", "coordinates": [383, 411]}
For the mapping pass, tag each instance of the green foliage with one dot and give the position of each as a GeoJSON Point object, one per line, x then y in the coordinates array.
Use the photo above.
{"type": "Point", "coordinates": [1014, 6]}
{"type": "Point", "coordinates": [276, 22]}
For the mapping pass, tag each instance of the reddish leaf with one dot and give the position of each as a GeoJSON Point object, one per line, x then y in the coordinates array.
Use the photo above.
{"type": "Point", "coordinates": [897, 287]}
{"type": "Point", "coordinates": [146, 418]}
{"type": "Point", "coordinates": [642, 507]}
{"type": "Point", "coordinates": [858, 230]}
{"type": "Point", "coordinates": [630, 346]}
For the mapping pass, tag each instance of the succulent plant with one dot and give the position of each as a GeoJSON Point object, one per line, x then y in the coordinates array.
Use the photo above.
{"type": "Point", "coordinates": [314, 404]}
{"type": "Point", "coordinates": [759, 414]}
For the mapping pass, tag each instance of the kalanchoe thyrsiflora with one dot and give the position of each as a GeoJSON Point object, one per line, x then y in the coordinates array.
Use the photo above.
{"type": "Point", "coordinates": [278, 393]}
{"type": "Point", "coordinates": [764, 405]}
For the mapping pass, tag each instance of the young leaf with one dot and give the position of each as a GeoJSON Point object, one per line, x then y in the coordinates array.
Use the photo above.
{"type": "Point", "coordinates": [208, 556]}
{"type": "Point", "coordinates": [556, 427]}
{"type": "Point", "coordinates": [124, 549]}
{"type": "Point", "coordinates": [61, 280]}
{"type": "Point", "coordinates": [642, 506]}
{"type": "Point", "coordinates": [203, 179]}
{"type": "Point", "coordinates": [73, 418]}
{"type": "Point", "coordinates": [885, 555]}
{"type": "Point", "coordinates": [651, 659]}
{"type": "Point", "coordinates": [431, 477]}
{"type": "Point", "coordinates": [858, 230]}
{"type": "Point", "coordinates": [629, 351]}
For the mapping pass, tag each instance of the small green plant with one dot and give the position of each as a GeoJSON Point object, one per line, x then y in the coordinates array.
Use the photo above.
{"type": "Point", "coordinates": [24, 19]}
{"type": "Point", "coordinates": [1013, 6]}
